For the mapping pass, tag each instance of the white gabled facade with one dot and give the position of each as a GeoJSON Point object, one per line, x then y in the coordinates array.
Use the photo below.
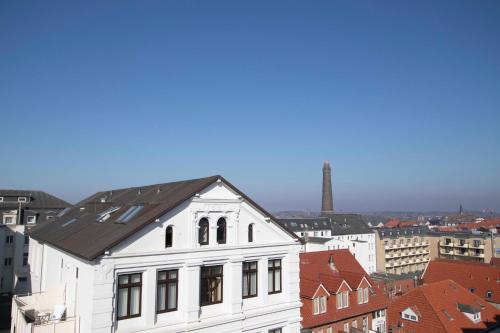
{"type": "Point", "coordinates": [90, 289]}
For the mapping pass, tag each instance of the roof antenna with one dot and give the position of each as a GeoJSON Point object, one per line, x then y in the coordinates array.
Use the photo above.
{"type": "Point", "coordinates": [139, 191]}
{"type": "Point", "coordinates": [158, 190]}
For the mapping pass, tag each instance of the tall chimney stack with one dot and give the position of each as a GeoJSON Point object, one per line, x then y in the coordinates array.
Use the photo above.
{"type": "Point", "coordinates": [327, 203]}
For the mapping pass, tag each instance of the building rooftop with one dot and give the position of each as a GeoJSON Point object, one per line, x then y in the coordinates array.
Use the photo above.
{"type": "Point", "coordinates": [106, 218]}
{"type": "Point", "coordinates": [441, 307]}
{"type": "Point", "coordinates": [34, 200]}
{"type": "Point", "coordinates": [483, 278]}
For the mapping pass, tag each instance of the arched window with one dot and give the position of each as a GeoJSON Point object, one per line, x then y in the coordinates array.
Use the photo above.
{"type": "Point", "coordinates": [221, 231]}
{"type": "Point", "coordinates": [169, 236]}
{"type": "Point", "coordinates": [203, 232]}
{"type": "Point", "coordinates": [250, 233]}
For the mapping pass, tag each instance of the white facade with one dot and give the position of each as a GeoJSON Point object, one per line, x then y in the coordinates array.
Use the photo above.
{"type": "Point", "coordinates": [13, 249]}
{"type": "Point", "coordinates": [362, 246]}
{"type": "Point", "coordinates": [91, 287]}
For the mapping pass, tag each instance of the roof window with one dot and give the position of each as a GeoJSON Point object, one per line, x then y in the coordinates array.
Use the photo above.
{"type": "Point", "coordinates": [106, 214]}
{"type": "Point", "coordinates": [68, 223]}
{"type": "Point", "coordinates": [22, 199]}
{"type": "Point", "coordinates": [130, 213]}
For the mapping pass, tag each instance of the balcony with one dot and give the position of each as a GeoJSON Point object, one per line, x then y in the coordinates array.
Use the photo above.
{"type": "Point", "coordinates": [41, 313]}
{"type": "Point", "coordinates": [478, 246]}
{"type": "Point", "coordinates": [464, 245]}
{"type": "Point", "coordinates": [477, 255]}
{"type": "Point", "coordinates": [451, 244]}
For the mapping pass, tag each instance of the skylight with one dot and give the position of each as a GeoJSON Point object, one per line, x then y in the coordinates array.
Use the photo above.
{"type": "Point", "coordinates": [68, 223]}
{"type": "Point", "coordinates": [106, 214]}
{"type": "Point", "coordinates": [130, 213]}
{"type": "Point", "coordinates": [62, 212]}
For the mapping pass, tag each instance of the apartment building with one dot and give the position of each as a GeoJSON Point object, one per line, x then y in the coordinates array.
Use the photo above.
{"type": "Point", "coordinates": [19, 211]}
{"type": "Point", "coordinates": [188, 256]}
{"type": "Point", "coordinates": [475, 246]}
{"type": "Point", "coordinates": [404, 250]}
{"type": "Point", "coordinates": [337, 231]}
{"type": "Point", "coordinates": [338, 295]}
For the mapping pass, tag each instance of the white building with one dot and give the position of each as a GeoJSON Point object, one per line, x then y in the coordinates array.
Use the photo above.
{"type": "Point", "coordinates": [19, 211]}
{"type": "Point", "coordinates": [190, 256]}
{"type": "Point", "coordinates": [337, 231]}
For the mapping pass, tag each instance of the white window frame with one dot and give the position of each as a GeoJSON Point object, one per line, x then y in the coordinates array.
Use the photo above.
{"type": "Point", "coordinates": [316, 306]}
{"type": "Point", "coordinates": [28, 221]}
{"type": "Point", "coordinates": [322, 304]}
{"type": "Point", "coordinates": [22, 199]}
{"type": "Point", "coordinates": [9, 216]}
{"type": "Point", "coordinates": [1, 199]}
{"type": "Point", "coordinates": [346, 327]}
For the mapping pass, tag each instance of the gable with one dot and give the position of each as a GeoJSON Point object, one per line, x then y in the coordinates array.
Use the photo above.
{"type": "Point", "coordinates": [213, 203]}
{"type": "Point", "coordinates": [321, 291]}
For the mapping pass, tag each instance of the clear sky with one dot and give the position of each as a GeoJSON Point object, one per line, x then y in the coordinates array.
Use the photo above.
{"type": "Point", "coordinates": [403, 98]}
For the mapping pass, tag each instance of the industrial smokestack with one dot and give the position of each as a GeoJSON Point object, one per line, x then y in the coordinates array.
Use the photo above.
{"type": "Point", "coordinates": [327, 203]}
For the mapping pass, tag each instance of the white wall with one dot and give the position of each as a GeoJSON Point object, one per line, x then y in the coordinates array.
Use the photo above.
{"type": "Point", "coordinates": [145, 252]}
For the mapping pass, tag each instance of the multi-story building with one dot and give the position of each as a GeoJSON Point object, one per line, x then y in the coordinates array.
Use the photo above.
{"type": "Point", "coordinates": [475, 246]}
{"type": "Point", "coordinates": [337, 231]}
{"type": "Point", "coordinates": [338, 295]}
{"type": "Point", "coordinates": [19, 211]}
{"type": "Point", "coordinates": [441, 307]}
{"type": "Point", "coordinates": [404, 250]}
{"type": "Point", "coordinates": [188, 256]}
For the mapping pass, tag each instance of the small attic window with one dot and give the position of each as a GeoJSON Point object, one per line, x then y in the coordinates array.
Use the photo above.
{"type": "Point", "coordinates": [489, 294]}
{"type": "Point", "coordinates": [22, 199]}
{"type": "Point", "coordinates": [68, 223]}
{"type": "Point", "coordinates": [1, 199]}
{"type": "Point", "coordinates": [62, 212]}
{"type": "Point", "coordinates": [130, 213]}
{"type": "Point", "coordinates": [106, 214]}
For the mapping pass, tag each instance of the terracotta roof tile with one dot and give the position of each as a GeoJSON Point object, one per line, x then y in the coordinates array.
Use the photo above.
{"type": "Point", "coordinates": [481, 277]}
{"type": "Point", "coordinates": [437, 304]}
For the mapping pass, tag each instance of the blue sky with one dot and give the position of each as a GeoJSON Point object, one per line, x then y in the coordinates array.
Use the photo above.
{"type": "Point", "coordinates": [403, 98]}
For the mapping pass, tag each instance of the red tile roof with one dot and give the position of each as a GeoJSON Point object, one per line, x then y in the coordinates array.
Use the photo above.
{"type": "Point", "coordinates": [486, 224]}
{"type": "Point", "coordinates": [315, 270]}
{"type": "Point", "coordinates": [437, 306]}
{"type": "Point", "coordinates": [396, 223]}
{"type": "Point", "coordinates": [482, 277]}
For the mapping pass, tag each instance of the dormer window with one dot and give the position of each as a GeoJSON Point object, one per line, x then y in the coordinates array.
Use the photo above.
{"type": "Point", "coordinates": [22, 199]}
{"type": "Point", "coordinates": [221, 231]}
{"type": "Point", "coordinates": [489, 294]}
{"type": "Point", "coordinates": [319, 305]}
{"type": "Point", "coordinates": [362, 295]}
{"type": "Point", "coordinates": [203, 231]}
{"type": "Point", "coordinates": [409, 314]}
{"type": "Point", "coordinates": [342, 299]}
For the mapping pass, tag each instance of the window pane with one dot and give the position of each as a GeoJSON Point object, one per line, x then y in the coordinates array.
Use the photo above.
{"type": "Point", "coordinates": [162, 275]}
{"type": "Point", "coordinates": [122, 302]}
{"type": "Point", "coordinates": [277, 280]}
{"type": "Point", "coordinates": [172, 296]}
{"type": "Point", "coordinates": [245, 284]}
{"type": "Point", "coordinates": [172, 275]}
{"type": "Point", "coordinates": [136, 278]}
{"type": "Point", "coordinates": [123, 279]}
{"type": "Point", "coordinates": [160, 303]}
{"type": "Point", "coordinates": [135, 294]}
{"type": "Point", "coordinates": [253, 283]}
{"type": "Point", "coordinates": [270, 281]}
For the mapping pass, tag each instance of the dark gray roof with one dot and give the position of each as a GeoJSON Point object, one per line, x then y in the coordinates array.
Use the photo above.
{"type": "Point", "coordinates": [340, 224]}
{"type": "Point", "coordinates": [306, 223]}
{"type": "Point", "coordinates": [468, 308]}
{"type": "Point", "coordinates": [402, 232]}
{"type": "Point", "coordinates": [36, 200]}
{"type": "Point", "coordinates": [349, 224]}
{"type": "Point", "coordinates": [88, 239]}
